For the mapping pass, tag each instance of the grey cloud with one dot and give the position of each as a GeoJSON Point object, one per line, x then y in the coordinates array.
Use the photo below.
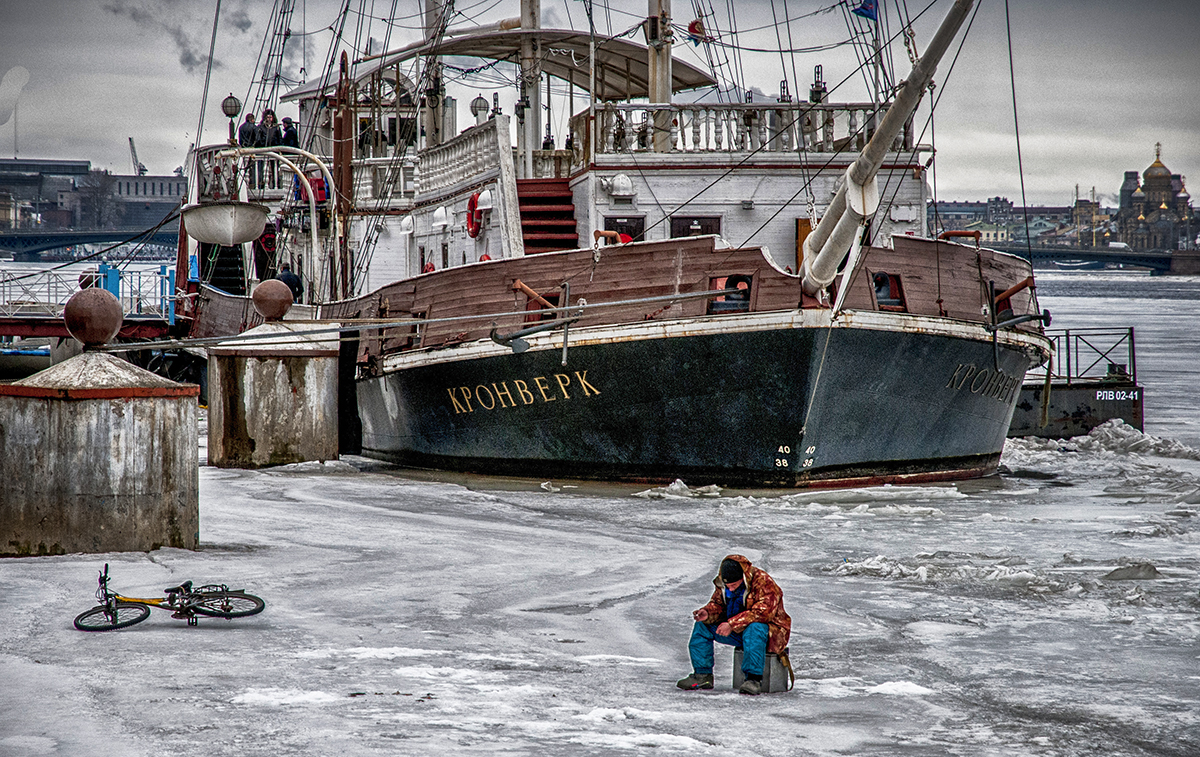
{"type": "Point", "coordinates": [190, 56]}
{"type": "Point", "coordinates": [240, 20]}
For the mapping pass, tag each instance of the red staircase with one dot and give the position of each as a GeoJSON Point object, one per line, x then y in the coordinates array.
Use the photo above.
{"type": "Point", "coordinates": [547, 215]}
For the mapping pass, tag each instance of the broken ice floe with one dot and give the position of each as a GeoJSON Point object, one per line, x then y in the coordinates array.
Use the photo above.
{"type": "Point", "coordinates": [679, 490]}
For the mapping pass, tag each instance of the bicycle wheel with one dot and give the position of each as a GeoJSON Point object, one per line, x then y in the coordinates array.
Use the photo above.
{"type": "Point", "coordinates": [123, 615]}
{"type": "Point", "coordinates": [228, 604]}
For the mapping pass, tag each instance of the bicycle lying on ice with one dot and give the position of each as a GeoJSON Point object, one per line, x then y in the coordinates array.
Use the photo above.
{"type": "Point", "coordinates": [186, 603]}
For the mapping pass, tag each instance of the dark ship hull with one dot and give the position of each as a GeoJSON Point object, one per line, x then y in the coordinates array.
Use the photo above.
{"type": "Point", "coordinates": [776, 399]}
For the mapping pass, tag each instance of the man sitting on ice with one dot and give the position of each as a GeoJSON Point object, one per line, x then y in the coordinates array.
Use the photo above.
{"type": "Point", "coordinates": [746, 610]}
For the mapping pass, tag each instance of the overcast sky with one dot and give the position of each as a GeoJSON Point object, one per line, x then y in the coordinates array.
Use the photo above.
{"type": "Point", "coordinates": [1098, 82]}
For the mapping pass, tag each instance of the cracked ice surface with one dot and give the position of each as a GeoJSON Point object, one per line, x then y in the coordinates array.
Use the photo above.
{"type": "Point", "coordinates": [414, 616]}
{"type": "Point", "coordinates": [417, 614]}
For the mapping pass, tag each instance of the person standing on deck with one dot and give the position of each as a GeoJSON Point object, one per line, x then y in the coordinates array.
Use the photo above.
{"type": "Point", "coordinates": [248, 132]}
{"type": "Point", "coordinates": [746, 610]}
{"type": "Point", "coordinates": [289, 137]}
{"type": "Point", "coordinates": [292, 280]}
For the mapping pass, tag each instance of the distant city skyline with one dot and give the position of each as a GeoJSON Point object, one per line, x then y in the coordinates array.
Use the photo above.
{"type": "Point", "coordinates": [1098, 82]}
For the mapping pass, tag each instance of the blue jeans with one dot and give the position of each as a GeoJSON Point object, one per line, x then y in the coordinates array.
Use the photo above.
{"type": "Point", "coordinates": [753, 642]}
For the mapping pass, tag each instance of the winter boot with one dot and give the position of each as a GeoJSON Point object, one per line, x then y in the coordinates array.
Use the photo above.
{"type": "Point", "coordinates": [751, 687]}
{"type": "Point", "coordinates": [696, 681]}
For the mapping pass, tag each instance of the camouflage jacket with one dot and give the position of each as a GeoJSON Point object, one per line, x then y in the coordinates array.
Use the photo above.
{"type": "Point", "coordinates": [764, 604]}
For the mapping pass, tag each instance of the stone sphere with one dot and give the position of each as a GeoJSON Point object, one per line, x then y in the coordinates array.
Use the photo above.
{"type": "Point", "coordinates": [272, 299]}
{"type": "Point", "coordinates": [93, 316]}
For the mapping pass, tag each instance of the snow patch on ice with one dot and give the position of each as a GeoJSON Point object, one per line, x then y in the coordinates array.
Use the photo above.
{"type": "Point", "coordinates": [448, 675]}
{"type": "Point", "coordinates": [883, 567]}
{"type": "Point", "coordinates": [28, 745]}
{"type": "Point", "coordinates": [933, 631]}
{"type": "Point", "coordinates": [367, 653]}
{"type": "Point", "coordinates": [832, 688]}
{"type": "Point", "coordinates": [885, 493]}
{"type": "Point", "coordinates": [613, 715]}
{"type": "Point", "coordinates": [314, 466]}
{"type": "Point", "coordinates": [279, 697]}
{"type": "Point", "coordinates": [901, 688]}
{"type": "Point", "coordinates": [679, 490]}
{"type": "Point", "coordinates": [603, 659]}
{"type": "Point", "coordinates": [1112, 438]}
{"type": "Point", "coordinates": [638, 741]}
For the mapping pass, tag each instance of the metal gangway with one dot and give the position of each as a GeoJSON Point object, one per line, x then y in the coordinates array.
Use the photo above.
{"type": "Point", "coordinates": [147, 293]}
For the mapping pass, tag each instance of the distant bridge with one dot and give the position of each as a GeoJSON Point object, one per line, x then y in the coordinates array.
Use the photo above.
{"type": "Point", "coordinates": [26, 244]}
{"type": "Point", "coordinates": [1159, 261]}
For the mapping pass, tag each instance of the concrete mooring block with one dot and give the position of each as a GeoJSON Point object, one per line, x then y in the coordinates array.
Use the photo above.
{"type": "Point", "coordinates": [273, 398]}
{"type": "Point", "coordinates": [98, 456]}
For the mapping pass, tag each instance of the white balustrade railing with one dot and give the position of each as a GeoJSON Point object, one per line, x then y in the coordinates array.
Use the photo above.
{"type": "Point", "coordinates": [733, 128]}
{"type": "Point", "coordinates": [464, 157]}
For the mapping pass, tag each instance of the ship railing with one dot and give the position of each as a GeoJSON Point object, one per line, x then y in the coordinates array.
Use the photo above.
{"type": "Point", "coordinates": [732, 127]}
{"type": "Point", "coordinates": [264, 178]}
{"type": "Point", "coordinates": [468, 156]}
{"type": "Point", "coordinates": [1090, 355]}
{"type": "Point", "coordinates": [141, 292]}
{"type": "Point", "coordinates": [391, 180]}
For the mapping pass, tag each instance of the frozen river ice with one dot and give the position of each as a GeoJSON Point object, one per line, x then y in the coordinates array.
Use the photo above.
{"type": "Point", "coordinates": [439, 614]}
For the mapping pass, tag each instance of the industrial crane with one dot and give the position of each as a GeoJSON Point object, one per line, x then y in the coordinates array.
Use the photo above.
{"type": "Point", "coordinates": [138, 168]}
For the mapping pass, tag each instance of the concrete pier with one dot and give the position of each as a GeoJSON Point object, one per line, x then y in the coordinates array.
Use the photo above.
{"type": "Point", "coordinates": [273, 402]}
{"type": "Point", "coordinates": [98, 456]}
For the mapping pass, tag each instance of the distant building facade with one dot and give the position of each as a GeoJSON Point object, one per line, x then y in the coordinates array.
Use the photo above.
{"type": "Point", "coordinates": [61, 194]}
{"type": "Point", "coordinates": [35, 186]}
{"type": "Point", "coordinates": [1157, 213]}
{"type": "Point", "coordinates": [1154, 213]}
{"type": "Point", "coordinates": [146, 200]}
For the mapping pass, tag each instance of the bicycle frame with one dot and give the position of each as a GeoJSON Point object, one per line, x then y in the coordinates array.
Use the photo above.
{"type": "Point", "coordinates": [211, 601]}
{"type": "Point", "coordinates": [183, 601]}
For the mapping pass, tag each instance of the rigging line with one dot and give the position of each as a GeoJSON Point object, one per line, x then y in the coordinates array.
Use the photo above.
{"type": "Point", "coordinates": [212, 46]}
{"type": "Point", "coordinates": [805, 186]}
{"type": "Point", "coordinates": [731, 8]}
{"type": "Point", "coordinates": [788, 19]}
{"type": "Point", "coordinates": [475, 17]}
{"type": "Point", "coordinates": [262, 49]}
{"type": "Point", "coordinates": [800, 115]}
{"type": "Point", "coordinates": [1012, 77]}
{"type": "Point", "coordinates": [852, 29]}
{"type": "Point", "coordinates": [932, 106]}
{"type": "Point", "coordinates": [717, 42]}
{"type": "Point", "coordinates": [791, 45]}
{"type": "Point", "coordinates": [395, 166]}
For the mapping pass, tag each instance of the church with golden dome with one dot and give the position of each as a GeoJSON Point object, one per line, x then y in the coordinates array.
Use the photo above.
{"type": "Point", "coordinates": [1156, 212]}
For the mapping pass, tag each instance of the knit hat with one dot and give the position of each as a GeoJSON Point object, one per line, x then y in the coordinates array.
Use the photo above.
{"type": "Point", "coordinates": [731, 571]}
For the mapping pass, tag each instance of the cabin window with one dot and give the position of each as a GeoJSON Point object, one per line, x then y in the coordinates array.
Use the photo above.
{"type": "Point", "coordinates": [421, 257]}
{"type": "Point", "coordinates": [889, 293]}
{"type": "Point", "coordinates": [634, 227]}
{"type": "Point", "coordinates": [445, 255]}
{"type": "Point", "coordinates": [734, 302]}
{"type": "Point", "coordinates": [694, 226]}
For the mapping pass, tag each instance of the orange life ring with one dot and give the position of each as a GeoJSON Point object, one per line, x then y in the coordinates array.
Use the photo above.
{"type": "Point", "coordinates": [474, 216]}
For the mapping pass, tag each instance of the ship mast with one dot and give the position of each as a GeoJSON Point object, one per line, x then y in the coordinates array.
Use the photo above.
{"type": "Point", "coordinates": [658, 39]}
{"type": "Point", "coordinates": [433, 121]}
{"type": "Point", "coordinates": [528, 136]}
{"type": "Point", "coordinates": [858, 197]}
